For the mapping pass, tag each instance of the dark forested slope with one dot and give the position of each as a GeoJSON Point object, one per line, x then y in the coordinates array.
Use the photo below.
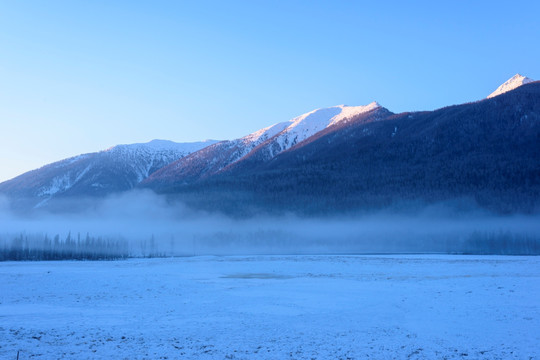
{"type": "Point", "coordinates": [485, 153]}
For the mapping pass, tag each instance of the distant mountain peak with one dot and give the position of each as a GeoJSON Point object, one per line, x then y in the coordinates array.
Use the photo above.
{"type": "Point", "coordinates": [118, 168]}
{"type": "Point", "coordinates": [349, 111]}
{"type": "Point", "coordinates": [511, 84]}
{"type": "Point", "coordinates": [309, 123]}
{"type": "Point", "coordinates": [158, 145]}
{"type": "Point", "coordinates": [263, 144]}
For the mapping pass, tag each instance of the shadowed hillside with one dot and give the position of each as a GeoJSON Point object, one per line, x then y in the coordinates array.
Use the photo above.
{"type": "Point", "coordinates": [485, 153]}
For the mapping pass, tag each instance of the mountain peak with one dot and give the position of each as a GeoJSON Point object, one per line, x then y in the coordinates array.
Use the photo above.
{"type": "Point", "coordinates": [158, 145]}
{"type": "Point", "coordinates": [511, 84]}
{"type": "Point", "coordinates": [312, 121]}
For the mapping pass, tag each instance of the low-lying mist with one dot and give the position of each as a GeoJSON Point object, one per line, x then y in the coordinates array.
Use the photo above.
{"type": "Point", "coordinates": [141, 223]}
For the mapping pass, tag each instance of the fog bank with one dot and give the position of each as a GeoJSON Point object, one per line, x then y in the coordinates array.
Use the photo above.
{"type": "Point", "coordinates": [144, 224]}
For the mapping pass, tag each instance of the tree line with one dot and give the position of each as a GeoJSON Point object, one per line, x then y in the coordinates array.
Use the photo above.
{"type": "Point", "coordinates": [37, 248]}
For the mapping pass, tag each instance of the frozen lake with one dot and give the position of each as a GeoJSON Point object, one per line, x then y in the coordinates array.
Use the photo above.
{"type": "Point", "coordinates": [273, 307]}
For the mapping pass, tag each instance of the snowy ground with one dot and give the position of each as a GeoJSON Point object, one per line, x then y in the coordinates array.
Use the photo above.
{"type": "Point", "coordinates": [273, 307]}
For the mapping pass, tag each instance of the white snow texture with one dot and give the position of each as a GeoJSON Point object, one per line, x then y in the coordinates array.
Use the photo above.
{"type": "Point", "coordinates": [512, 83]}
{"type": "Point", "coordinates": [273, 307]}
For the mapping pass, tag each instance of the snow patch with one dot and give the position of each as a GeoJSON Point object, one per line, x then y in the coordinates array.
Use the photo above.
{"type": "Point", "coordinates": [58, 184]}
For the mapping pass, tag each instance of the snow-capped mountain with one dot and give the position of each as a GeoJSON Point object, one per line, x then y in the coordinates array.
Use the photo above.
{"type": "Point", "coordinates": [118, 168]}
{"type": "Point", "coordinates": [329, 159]}
{"type": "Point", "coordinates": [482, 154]}
{"type": "Point", "coordinates": [146, 158]}
{"type": "Point", "coordinates": [269, 141]}
{"type": "Point", "coordinates": [309, 124]}
{"type": "Point", "coordinates": [511, 84]}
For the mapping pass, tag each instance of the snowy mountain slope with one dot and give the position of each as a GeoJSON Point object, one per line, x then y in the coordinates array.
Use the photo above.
{"type": "Point", "coordinates": [271, 141]}
{"type": "Point", "coordinates": [146, 158]}
{"type": "Point", "coordinates": [511, 84]}
{"type": "Point", "coordinates": [304, 126]}
{"type": "Point", "coordinates": [308, 126]}
{"type": "Point", "coordinates": [118, 168]}
{"type": "Point", "coordinates": [342, 157]}
{"type": "Point", "coordinates": [486, 153]}
{"type": "Point", "coordinates": [213, 158]}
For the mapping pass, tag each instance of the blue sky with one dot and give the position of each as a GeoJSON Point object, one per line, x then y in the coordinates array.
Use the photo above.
{"type": "Point", "coordinates": [80, 76]}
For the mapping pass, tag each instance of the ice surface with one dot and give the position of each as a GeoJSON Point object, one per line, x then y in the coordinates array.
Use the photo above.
{"type": "Point", "coordinates": [273, 307]}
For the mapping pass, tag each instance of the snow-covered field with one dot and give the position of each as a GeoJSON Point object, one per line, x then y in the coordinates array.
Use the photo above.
{"type": "Point", "coordinates": [273, 307]}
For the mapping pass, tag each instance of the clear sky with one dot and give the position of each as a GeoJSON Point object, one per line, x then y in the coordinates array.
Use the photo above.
{"type": "Point", "coordinates": [81, 76]}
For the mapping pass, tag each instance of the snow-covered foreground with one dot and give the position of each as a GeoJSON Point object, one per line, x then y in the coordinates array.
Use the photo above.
{"type": "Point", "coordinates": [273, 307]}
